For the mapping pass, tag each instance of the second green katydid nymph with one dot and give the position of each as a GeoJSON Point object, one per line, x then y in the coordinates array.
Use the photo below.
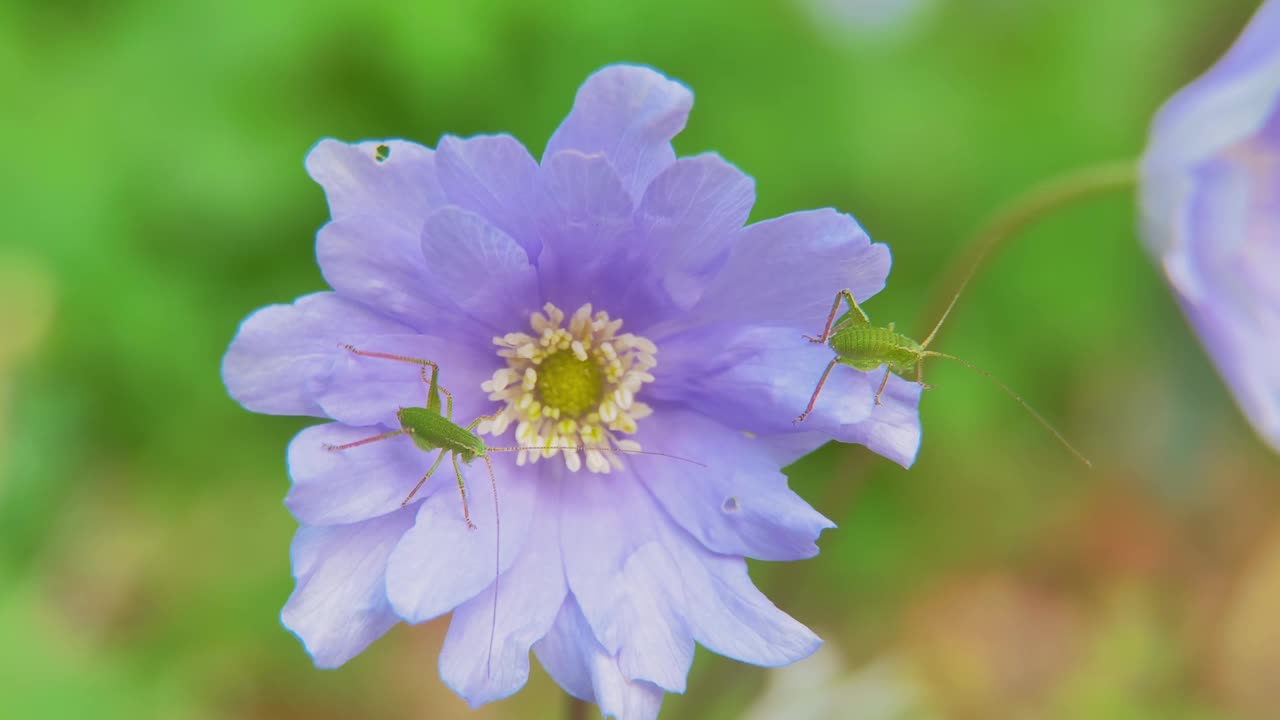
{"type": "Point", "coordinates": [864, 346]}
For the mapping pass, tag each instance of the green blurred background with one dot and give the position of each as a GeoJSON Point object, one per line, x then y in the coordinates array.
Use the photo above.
{"type": "Point", "coordinates": [153, 195]}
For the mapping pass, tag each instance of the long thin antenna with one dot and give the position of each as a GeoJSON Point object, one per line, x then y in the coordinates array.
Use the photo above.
{"type": "Point", "coordinates": [1039, 418]}
{"type": "Point", "coordinates": [497, 567]}
{"type": "Point", "coordinates": [516, 448]}
{"type": "Point", "coordinates": [1024, 211]}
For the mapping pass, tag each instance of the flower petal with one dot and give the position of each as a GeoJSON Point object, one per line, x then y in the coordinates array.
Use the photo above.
{"type": "Point", "coordinates": [739, 503]}
{"type": "Point", "coordinates": [761, 378]}
{"type": "Point", "coordinates": [401, 188]}
{"type": "Point", "coordinates": [730, 616]}
{"type": "Point", "coordinates": [332, 487]}
{"type": "Point", "coordinates": [893, 429]}
{"type": "Point", "coordinates": [362, 390]}
{"type": "Point", "coordinates": [1226, 105]}
{"type": "Point", "coordinates": [441, 563]}
{"type": "Point", "coordinates": [576, 661]}
{"type": "Point", "coordinates": [417, 276]}
{"type": "Point", "coordinates": [692, 211]}
{"type": "Point", "coordinates": [478, 269]}
{"type": "Point", "coordinates": [495, 177]}
{"type": "Point", "coordinates": [623, 581]}
{"type": "Point", "coordinates": [1211, 213]}
{"type": "Point", "coordinates": [620, 696]}
{"type": "Point", "coordinates": [629, 113]}
{"type": "Point", "coordinates": [587, 223]}
{"type": "Point", "coordinates": [486, 653]}
{"type": "Point", "coordinates": [827, 251]}
{"type": "Point", "coordinates": [724, 610]}
{"type": "Point", "coordinates": [566, 651]}
{"type": "Point", "coordinates": [340, 605]}
{"type": "Point", "coordinates": [1235, 308]}
{"type": "Point", "coordinates": [281, 351]}
{"type": "Point", "coordinates": [641, 603]}
{"type": "Point", "coordinates": [378, 262]}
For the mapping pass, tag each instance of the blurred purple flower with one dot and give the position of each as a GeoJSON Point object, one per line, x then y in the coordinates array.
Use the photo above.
{"type": "Point", "coordinates": [868, 17]}
{"type": "Point", "coordinates": [1211, 213]}
{"type": "Point", "coordinates": [519, 278]}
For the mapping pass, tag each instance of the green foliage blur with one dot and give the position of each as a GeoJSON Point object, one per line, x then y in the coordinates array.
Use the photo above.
{"type": "Point", "coordinates": [153, 195]}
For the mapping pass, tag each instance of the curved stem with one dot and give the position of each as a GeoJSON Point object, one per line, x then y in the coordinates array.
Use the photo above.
{"type": "Point", "coordinates": [577, 709]}
{"type": "Point", "coordinates": [1024, 211]}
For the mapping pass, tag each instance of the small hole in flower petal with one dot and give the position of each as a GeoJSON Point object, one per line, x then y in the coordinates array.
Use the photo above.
{"type": "Point", "coordinates": [381, 153]}
{"type": "Point", "coordinates": [731, 505]}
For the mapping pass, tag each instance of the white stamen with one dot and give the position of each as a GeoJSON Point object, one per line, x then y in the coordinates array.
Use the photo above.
{"type": "Point", "coordinates": [623, 362]}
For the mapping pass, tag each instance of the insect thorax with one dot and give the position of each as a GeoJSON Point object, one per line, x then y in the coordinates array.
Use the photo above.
{"type": "Point", "coordinates": [432, 431]}
{"type": "Point", "coordinates": [867, 347]}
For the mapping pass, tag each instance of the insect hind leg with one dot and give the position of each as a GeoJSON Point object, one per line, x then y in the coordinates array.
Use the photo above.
{"type": "Point", "coordinates": [821, 381]}
{"type": "Point", "coordinates": [462, 490]}
{"type": "Point", "coordinates": [424, 479]}
{"type": "Point", "coordinates": [835, 308]}
{"type": "Point", "coordinates": [919, 375]}
{"type": "Point", "coordinates": [433, 398]}
{"type": "Point", "coordinates": [390, 356]}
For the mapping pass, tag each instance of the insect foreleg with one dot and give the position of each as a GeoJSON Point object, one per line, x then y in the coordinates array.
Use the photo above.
{"type": "Point", "coordinates": [835, 308]}
{"type": "Point", "coordinates": [462, 490]}
{"type": "Point", "coordinates": [475, 423]}
{"type": "Point", "coordinates": [424, 479]}
{"type": "Point", "coordinates": [822, 381]}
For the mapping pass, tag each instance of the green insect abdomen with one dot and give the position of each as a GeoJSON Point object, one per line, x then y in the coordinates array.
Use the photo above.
{"type": "Point", "coordinates": [866, 347]}
{"type": "Point", "coordinates": [433, 431]}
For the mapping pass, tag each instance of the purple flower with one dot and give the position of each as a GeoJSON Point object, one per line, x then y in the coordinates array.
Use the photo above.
{"type": "Point", "coordinates": [1211, 213]}
{"type": "Point", "coordinates": [608, 298]}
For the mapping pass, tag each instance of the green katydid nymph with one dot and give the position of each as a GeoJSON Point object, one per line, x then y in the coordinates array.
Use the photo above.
{"type": "Point", "coordinates": [433, 430]}
{"type": "Point", "coordinates": [866, 347]}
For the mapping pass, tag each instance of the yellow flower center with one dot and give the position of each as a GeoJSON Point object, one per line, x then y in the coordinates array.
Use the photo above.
{"type": "Point", "coordinates": [569, 385]}
{"type": "Point", "coordinates": [571, 389]}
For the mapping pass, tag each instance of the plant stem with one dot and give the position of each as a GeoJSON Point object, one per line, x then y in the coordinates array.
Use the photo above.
{"type": "Point", "coordinates": [577, 709]}
{"type": "Point", "coordinates": [1038, 202]}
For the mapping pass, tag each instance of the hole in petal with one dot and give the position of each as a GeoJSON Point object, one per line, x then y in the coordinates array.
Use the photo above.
{"type": "Point", "coordinates": [731, 505]}
{"type": "Point", "coordinates": [381, 153]}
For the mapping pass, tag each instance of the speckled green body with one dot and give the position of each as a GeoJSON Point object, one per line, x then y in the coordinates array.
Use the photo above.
{"type": "Point", "coordinates": [432, 431]}
{"type": "Point", "coordinates": [866, 347]}
{"type": "Point", "coordinates": [863, 346]}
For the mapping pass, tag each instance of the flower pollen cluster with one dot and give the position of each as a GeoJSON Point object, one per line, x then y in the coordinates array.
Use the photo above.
{"type": "Point", "coordinates": [571, 388]}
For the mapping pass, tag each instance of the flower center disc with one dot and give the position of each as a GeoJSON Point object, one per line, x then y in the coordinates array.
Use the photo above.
{"type": "Point", "coordinates": [573, 386]}
{"type": "Point", "coordinates": [570, 388]}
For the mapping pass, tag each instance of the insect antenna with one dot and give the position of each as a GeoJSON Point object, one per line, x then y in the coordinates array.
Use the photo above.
{"type": "Point", "coordinates": [497, 567]}
{"type": "Point", "coordinates": [1039, 418]}
{"type": "Point", "coordinates": [516, 448]}
{"type": "Point", "coordinates": [973, 269]}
